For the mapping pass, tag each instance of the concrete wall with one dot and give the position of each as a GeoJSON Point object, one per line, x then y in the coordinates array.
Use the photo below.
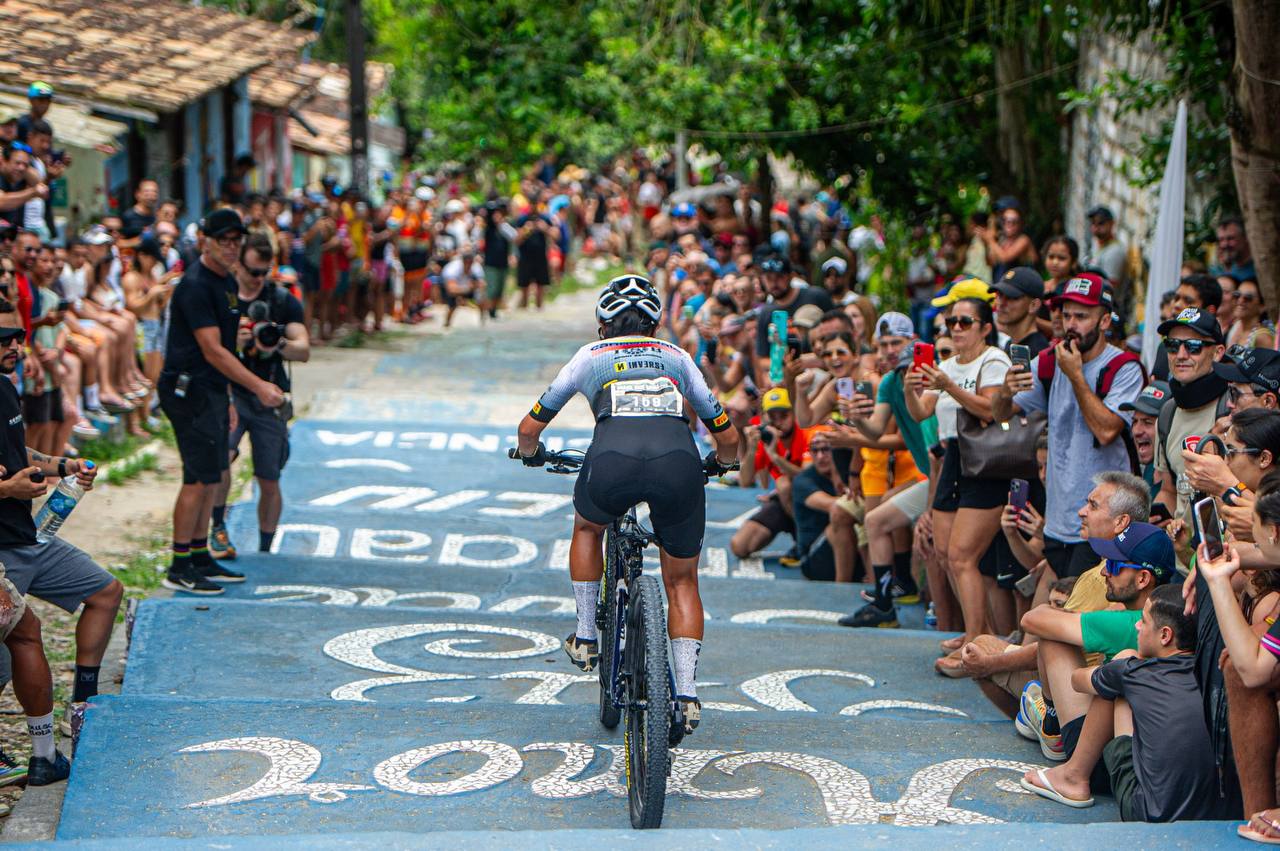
{"type": "Point", "coordinates": [1103, 145]}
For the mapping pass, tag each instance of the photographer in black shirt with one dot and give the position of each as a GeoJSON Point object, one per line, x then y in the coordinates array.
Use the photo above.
{"type": "Point", "coordinates": [272, 331]}
{"type": "Point", "coordinates": [200, 358]}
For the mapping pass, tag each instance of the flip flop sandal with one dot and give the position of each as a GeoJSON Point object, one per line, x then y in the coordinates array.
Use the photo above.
{"type": "Point", "coordinates": [1047, 791]}
{"type": "Point", "coordinates": [1247, 832]}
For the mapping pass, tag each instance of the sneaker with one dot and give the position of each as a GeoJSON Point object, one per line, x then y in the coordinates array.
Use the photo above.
{"type": "Point", "coordinates": [84, 428]}
{"type": "Point", "coordinates": [792, 557]}
{"type": "Point", "coordinates": [220, 545]}
{"type": "Point", "coordinates": [907, 597]}
{"type": "Point", "coordinates": [873, 616]}
{"type": "Point", "coordinates": [42, 772]}
{"type": "Point", "coordinates": [583, 654]}
{"type": "Point", "coordinates": [692, 709]}
{"type": "Point", "coordinates": [217, 573]}
{"type": "Point", "coordinates": [191, 582]}
{"type": "Point", "coordinates": [1032, 712]}
{"type": "Point", "coordinates": [10, 771]}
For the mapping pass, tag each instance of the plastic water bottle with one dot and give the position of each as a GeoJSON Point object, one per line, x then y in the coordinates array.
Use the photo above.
{"type": "Point", "coordinates": [931, 618]}
{"type": "Point", "coordinates": [59, 506]}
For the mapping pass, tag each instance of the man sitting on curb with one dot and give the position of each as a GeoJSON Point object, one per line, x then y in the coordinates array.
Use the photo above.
{"type": "Point", "coordinates": [1145, 723]}
{"type": "Point", "coordinates": [1139, 559]}
{"type": "Point", "coordinates": [1006, 673]}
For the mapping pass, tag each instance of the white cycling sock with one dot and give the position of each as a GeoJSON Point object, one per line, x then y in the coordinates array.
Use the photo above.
{"type": "Point", "coordinates": [585, 595]}
{"type": "Point", "coordinates": [91, 397]}
{"type": "Point", "coordinates": [41, 730]}
{"type": "Point", "coordinates": [684, 652]}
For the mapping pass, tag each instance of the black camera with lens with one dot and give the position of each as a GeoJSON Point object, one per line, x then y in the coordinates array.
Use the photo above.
{"type": "Point", "coordinates": [266, 334]}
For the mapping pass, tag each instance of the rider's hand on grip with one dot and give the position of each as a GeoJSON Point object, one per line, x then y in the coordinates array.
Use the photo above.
{"type": "Point", "coordinates": [537, 459]}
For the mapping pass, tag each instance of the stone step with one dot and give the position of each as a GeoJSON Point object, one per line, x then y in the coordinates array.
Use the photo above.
{"type": "Point", "coordinates": [431, 585]}
{"type": "Point", "coordinates": [175, 767]}
{"type": "Point", "coordinates": [305, 651]}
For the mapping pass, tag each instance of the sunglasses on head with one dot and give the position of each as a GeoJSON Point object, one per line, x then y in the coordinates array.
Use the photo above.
{"type": "Point", "coordinates": [1193, 347]}
{"type": "Point", "coordinates": [962, 321]}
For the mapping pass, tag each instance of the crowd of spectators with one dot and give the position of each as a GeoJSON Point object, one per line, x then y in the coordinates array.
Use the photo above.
{"type": "Point", "coordinates": [979, 436]}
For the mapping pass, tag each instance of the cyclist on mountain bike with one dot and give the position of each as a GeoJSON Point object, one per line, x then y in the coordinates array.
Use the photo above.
{"type": "Point", "coordinates": [642, 451]}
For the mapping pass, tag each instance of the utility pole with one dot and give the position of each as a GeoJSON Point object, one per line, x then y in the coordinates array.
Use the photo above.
{"type": "Point", "coordinates": [682, 160]}
{"type": "Point", "coordinates": [357, 108]}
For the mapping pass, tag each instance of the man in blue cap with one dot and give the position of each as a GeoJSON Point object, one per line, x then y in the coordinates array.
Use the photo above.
{"type": "Point", "coordinates": [1137, 560]}
{"type": "Point", "coordinates": [40, 96]}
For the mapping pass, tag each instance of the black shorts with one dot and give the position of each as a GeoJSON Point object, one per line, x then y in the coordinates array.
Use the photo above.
{"type": "Point", "coordinates": [526, 276]}
{"type": "Point", "coordinates": [998, 563]}
{"type": "Point", "coordinates": [652, 460]}
{"type": "Point", "coordinates": [956, 491]}
{"type": "Point", "coordinates": [1069, 559]}
{"type": "Point", "coordinates": [819, 561]}
{"type": "Point", "coordinates": [45, 408]}
{"type": "Point", "coordinates": [201, 423]}
{"type": "Point", "coordinates": [773, 517]}
{"type": "Point", "coordinates": [268, 436]}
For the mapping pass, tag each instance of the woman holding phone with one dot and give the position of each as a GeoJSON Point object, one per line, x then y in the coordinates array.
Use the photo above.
{"type": "Point", "coordinates": [966, 510]}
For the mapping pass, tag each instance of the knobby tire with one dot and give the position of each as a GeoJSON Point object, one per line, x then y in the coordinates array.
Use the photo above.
{"type": "Point", "coordinates": [609, 714]}
{"type": "Point", "coordinates": [647, 730]}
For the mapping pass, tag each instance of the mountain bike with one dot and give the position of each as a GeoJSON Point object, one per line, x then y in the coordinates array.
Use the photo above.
{"type": "Point", "coordinates": [635, 675]}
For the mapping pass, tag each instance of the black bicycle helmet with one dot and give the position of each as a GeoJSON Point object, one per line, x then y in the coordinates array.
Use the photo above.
{"type": "Point", "coordinates": [626, 291]}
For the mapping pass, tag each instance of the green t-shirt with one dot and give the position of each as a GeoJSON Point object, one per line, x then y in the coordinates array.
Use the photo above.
{"type": "Point", "coordinates": [46, 335]}
{"type": "Point", "coordinates": [918, 436]}
{"type": "Point", "coordinates": [1109, 632]}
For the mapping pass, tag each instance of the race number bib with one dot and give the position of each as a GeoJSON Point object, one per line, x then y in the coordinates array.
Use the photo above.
{"type": "Point", "coordinates": [645, 397]}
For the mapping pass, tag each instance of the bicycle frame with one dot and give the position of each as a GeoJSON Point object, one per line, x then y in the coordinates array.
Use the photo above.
{"type": "Point", "coordinates": [629, 540]}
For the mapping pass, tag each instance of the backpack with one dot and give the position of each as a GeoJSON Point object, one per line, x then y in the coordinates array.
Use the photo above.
{"type": "Point", "coordinates": [1047, 365]}
{"type": "Point", "coordinates": [1164, 423]}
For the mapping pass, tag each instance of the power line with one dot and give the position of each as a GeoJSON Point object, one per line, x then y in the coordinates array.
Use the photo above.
{"type": "Point", "coordinates": [761, 135]}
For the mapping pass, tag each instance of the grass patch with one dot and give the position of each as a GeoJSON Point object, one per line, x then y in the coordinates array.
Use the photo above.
{"type": "Point", "coordinates": [358, 339]}
{"type": "Point", "coordinates": [143, 571]}
{"type": "Point", "coordinates": [102, 451]}
{"type": "Point", "coordinates": [120, 473]}
{"type": "Point", "coordinates": [163, 432]}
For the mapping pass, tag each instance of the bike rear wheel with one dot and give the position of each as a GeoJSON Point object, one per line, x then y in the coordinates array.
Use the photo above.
{"type": "Point", "coordinates": [608, 625]}
{"type": "Point", "coordinates": [648, 704]}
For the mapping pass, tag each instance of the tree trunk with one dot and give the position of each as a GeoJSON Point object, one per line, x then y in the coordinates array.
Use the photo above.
{"type": "Point", "coordinates": [764, 185]}
{"type": "Point", "coordinates": [1255, 134]}
{"type": "Point", "coordinates": [1013, 137]}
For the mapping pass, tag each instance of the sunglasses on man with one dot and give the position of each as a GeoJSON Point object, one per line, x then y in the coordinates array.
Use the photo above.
{"type": "Point", "coordinates": [1193, 347]}
{"type": "Point", "coordinates": [1112, 567]}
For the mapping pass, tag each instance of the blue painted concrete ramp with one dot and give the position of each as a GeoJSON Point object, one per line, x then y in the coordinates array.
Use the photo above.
{"type": "Point", "coordinates": [390, 676]}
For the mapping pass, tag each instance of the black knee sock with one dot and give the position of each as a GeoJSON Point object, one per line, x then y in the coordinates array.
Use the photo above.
{"type": "Point", "coordinates": [264, 541]}
{"type": "Point", "coordinates": [1051, 726]}
{"type": "Point", "coordinates": [86, 685]}
{"type": "Point", "coordinates": [219, 515]}
{"type": "Point", "coordinates": [884, 579]}
{"type": "Point", "coordinates": [902, 572]}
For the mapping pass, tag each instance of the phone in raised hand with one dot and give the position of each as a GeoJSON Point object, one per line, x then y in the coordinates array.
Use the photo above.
{"type": "Point", "coordinates": [1019, 492]}
{"type": "Point", "coordinates": [921, 354]}
{"type": "Point", "coordinates": [863, 388]}
{"type": "Point", "coordinates": [844, 388]}
{"type": "Point", "coordinates": [1020, 356]}
{"type": "Point", "coordinates": [1210, 527]}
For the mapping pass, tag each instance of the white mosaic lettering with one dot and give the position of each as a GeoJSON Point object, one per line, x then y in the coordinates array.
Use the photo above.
{"type": "Point", "coordinates": [396, 497]}
{"type": "Point", "coordinates": [556, 605]}
{"type": "Point", "coordinates": [327, 538]}
{"type": "Point", "coordinates": [462, 442]}
{"type": "Point", "coordinates": [772, 689]}
{"type": "Point", "coordinates": [539, 504]}
{"type": "Point", "coordinates": [752, 568]}
{"type": "Point", "coordinates": [295, 593]}
{"type": "Point", "coordinates": [856, 709]}
{"type": "Point", "coordinates": [547, 691]}
{"type": "Point", "coordinates": [451, 500]}
{"type": "Point", "coordinates": [342, 438]}
{"type": "Point", "coordinates": [451, 552]}
{"type": "Point", "coordinates": [846, 794]}
{"type": "Point", "coordinates": [292, 764]}
{"type": "Point", "coordinates": [767, 615]}
{"type": "Point", "coordinates": [368, 464]}
{"type": "Point", "coordinates": [435, 440]}
{"type": "Point", "coordinates": [383, 440]}
{"type": "Point", "coordinates": [399, 543]}
{"type": "Point", "coordinates": [559, 555]}
{"type": "Point", "coordinates": [927, 798]}
{"type": "Point", "coordinates": [503, 763]}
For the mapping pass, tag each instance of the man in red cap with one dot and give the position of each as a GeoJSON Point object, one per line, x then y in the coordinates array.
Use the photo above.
{"type": "Point", "coordinates": [1084, 386]}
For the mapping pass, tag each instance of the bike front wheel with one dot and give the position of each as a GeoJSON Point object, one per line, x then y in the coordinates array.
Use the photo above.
{"type": "Point", "coordinates": [648, 704]}
{"type": "Point", "coordinates": [608, 626]}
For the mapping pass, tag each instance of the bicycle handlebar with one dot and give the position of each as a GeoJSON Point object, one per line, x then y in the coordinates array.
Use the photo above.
{"type": "Point", "coordinates": [571, 460]}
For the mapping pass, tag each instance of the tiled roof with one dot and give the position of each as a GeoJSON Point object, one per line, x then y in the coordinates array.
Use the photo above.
{"type": "Point", "coordinates": [285, 82]}
{"type": "Point", "coordinates": [332, 133]}
{"type": "Point", "coordinates": [327, 112]}
{"type": "Point", "coordinates": [154, 54]}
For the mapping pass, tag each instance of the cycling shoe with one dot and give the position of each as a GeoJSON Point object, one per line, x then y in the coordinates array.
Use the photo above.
{"type": "Point", "coordinates": [585, 655]}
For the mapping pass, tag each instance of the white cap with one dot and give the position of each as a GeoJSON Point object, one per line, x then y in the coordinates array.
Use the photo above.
{"type": "Point", "coordinates": [454, 206]}
{"type": "Point", "coordinates": [424, 193]}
